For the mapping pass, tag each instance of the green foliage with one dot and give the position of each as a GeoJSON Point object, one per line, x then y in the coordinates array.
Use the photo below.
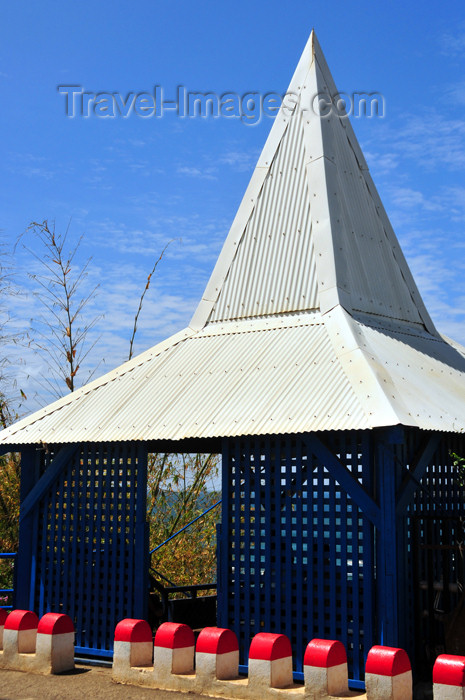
{"type": "Point", "coordinates": [181, 487]}
{"type": "Point", "coordinates": [9, 397]}
{"type": "Point", "coordinates": [9, 506]}
{"type": "Point", "coordinates": [459, 464]}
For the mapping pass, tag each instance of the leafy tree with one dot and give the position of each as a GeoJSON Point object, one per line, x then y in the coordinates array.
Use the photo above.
{"type": "Point", "coordinates": [180, 488]}
{"type": "Point", "coordinates": [9, 463]}
{"type": "Point", "coordinates": [9, 518]}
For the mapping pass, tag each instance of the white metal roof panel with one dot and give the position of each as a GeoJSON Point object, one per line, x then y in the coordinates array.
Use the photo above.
{"type": "Point", "coordinates": [273, 270]}
{"type": "Point", "coordinates": [281, 378]}
{"type": "Point", "coordinates": [374, 276]}
{"type": "Point", "coordinates": [311, 231]}
{"type": "Point", "coordinates": [423, 375]}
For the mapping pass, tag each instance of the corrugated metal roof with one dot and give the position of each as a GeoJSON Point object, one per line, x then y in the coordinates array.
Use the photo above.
{"type": "Point", "coordinates": [220, 381]}
{"type": "Point", "coordinates": [311, 319]}
{"type": "Point", "coordinates": [273, 269]}
{"type": "Point", "coordinates": [423, 376]}
{"type": "Point", "coordinates": [298, 373]}
{"type": "Point", "coordinates": [311, 222]}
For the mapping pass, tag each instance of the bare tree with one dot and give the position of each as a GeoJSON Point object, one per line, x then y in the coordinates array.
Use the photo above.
{"type": "Point", "coordinates": [180, 487]}
{"type": "Point", "coordinates": [11, 396]}
{"type": "Point", "coordinates": [142, 297]}
{"type": "Point", "coordinates": [61, 333]}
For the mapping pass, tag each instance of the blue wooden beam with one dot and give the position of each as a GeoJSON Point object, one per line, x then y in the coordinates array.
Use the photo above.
{"type": "Point", "coordinates": [141, 546]}
{"type": "Point", "coordinates": [5, 449]}
{"type": "Point", "coordinates": [61, 459]}
{"type": "Point", "coordinates": [223, 531]}
{"type": "Point", "coordinates": [23, 565]}
{"type": "Point", "coordinates": [386, 550]}
{"type": "Point", "coordinates": [417, 470]}
{"type": "Point", "coordinates": [345, 478]}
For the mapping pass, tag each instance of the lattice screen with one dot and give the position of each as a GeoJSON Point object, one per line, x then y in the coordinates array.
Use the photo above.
{"type": "Point", "coordinates": [296, 552]}
{"type": "Point", "coordinates": [90, 544]}
{"type": "Point", "coordinates": [436, 539]}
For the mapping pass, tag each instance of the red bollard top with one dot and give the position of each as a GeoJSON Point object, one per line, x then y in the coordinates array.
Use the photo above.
{"type": "Point", "coordinates": [269, 647]}
{"type": "Point", "coordinates": [449, 670]}
{"type": "Point", "coordinates": [387, 661]}
{"type": "Point", "coordinates": [216, 640]}
{"type": "Point", "coordinates": [325, 653]}
{"type": "Point", "coordinates": [21, 620]}
{"type": "Point", "coordinates": [173, 635]}
{"type": "Point", "coordinates": [131, 630]}
{"type": "Point", "coordinates": [55, 623]}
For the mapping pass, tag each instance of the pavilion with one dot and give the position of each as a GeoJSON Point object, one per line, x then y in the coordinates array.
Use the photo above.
{"type": "Point", "coordinates": [312, 365]}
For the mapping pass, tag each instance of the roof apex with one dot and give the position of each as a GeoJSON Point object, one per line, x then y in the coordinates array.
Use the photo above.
{"type": "Point", "coordinates": [311, 232]}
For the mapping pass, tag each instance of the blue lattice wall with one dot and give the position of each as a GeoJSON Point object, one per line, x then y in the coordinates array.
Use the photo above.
{"type": "Point", "coordinates": [296, 550]}
{"type": "Point", "coordinates": [344, 536]}
{"type": "Point", "coordinates": [435, 556]}
{"type": "Point", "coordinates": [355, 536]}
{"type": "Point", "coordinates": [83, 544]}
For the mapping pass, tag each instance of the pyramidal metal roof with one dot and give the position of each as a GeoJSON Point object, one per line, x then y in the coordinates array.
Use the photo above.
{"type": "Point", "coordinates": [311, 319]}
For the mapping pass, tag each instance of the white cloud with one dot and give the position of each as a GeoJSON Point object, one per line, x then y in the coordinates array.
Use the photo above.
{"type": "Point", "coordinates": [204, 173]}
{"type": "Point", "coordinates": [239, 160]}
{"type": "Point", "coordinates": [381, 163]}
{"type": "Point", "coordinates": [453, 44]}
{"type": "Point", "coordinates": [430, 140]}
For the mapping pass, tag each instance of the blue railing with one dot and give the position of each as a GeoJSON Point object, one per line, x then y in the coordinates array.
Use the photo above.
{"type": "Point", "coordinates": [191, 590]}
{"type": "Point", "coordinates": [12, 555]}
{"type": "Point", "coordinates": [159, 546]}
{"type": "Point", "coordinates": [8, 591]}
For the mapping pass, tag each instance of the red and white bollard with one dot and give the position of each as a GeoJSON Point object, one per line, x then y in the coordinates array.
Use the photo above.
{"type": "Point", "coordinates": [173, 650]}
{"type": "Point", "coordinates": [3, 616]}
{"type": "Point", "coordinates": [20, 633]}
{"type": "Point", "coordinates": [388, 674]}
{"type": "Point", "coordinates": [325, 668]}
{"type": "Point", "coordinates": [217, 654]}
{"type": "Point", "coordinates": [55, 644]}
{"type": "Point", "coordinates": [270, 662]}
{"type": "Point", "coordinates": [449, 677]}
{"type": "Point", "coordinates": [133, 645]}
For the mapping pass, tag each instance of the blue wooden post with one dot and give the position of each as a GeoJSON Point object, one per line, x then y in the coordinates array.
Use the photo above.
{"type": "Point", "coordinates": [386, 550]}
{"type": "Point", "coordinates": [24, 562]}
{"type": "Point", "coordinates": [141, 553]}
{"type": "Point", "coordinates": [222, 541]}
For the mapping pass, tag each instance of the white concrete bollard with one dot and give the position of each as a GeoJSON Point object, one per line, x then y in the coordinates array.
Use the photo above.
{"type": "Point", "coordinates": [449, 677]}
{"type": "Point", "coordinates": [20, 633]}
{"type": "Point", "coordinates": [3, 616]}
{"type": "Point", "coordinates": [388, 674]}
{"type": "Point", "coordinates": [325, 668]}
{"type": "Point", "coordinates": [270, 663]}
{"type": "Point", "coordinates": [133, 645]}
{"type": "Point", "coordinates": [55, 644]}
{"type": "Point", "coordinates": [173, 650]}
{"type": "Point", "coordinates": [217, 654]}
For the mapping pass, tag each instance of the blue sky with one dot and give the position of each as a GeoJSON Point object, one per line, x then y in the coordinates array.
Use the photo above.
{"type": "Point", "coordinates": [132, 184]}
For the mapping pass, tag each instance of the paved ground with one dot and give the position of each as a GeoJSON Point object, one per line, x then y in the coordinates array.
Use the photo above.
{"type": "Point", "coordinates": [89, 682]}
{"type": "Point", "coordinates": [85, 682]}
